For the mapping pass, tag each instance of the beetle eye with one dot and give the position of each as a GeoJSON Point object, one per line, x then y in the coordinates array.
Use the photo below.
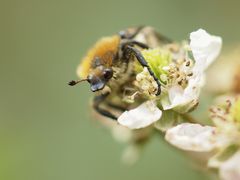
{"type": "Point", "coordinates": [108, 73]}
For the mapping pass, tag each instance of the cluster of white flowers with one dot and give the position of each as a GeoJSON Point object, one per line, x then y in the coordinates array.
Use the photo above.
{"type": "Point", "coordinates": [180, 69]}
{"type": "Point", "coordinates": [182, 81]}
{"type": "Point", "coordinates": [222, 139]}
{"type": "Point", "coordinates": [182, 75]}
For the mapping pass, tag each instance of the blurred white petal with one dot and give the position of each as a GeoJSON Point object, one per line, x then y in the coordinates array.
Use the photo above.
{"type": "Point", "coordinates": [142, 116]}
{"type": "Point", "coordinates": [192, 137]}
{"type": "Point", "coordinates": [131, 155]}
{"type": "Point", "coordinates": [230, 170]}
{"type": "Point", "coordinates": [121, 134]}
{"type": "Point", "coordinates": [205, 48]}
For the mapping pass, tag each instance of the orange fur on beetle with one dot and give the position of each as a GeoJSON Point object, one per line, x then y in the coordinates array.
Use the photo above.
{"type": "Point", "coordinates": [105, 48]}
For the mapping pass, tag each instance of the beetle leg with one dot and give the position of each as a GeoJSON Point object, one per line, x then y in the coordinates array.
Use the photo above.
{"type": "Point", "coordinates": [131, 50]}
{"type": "Point", "coordinates": [124, 35]}
{"type": "Point", "coordinates": [96, 105]}
{"type": "Point", "coordinates": [117, 107]}
{"type": "Point", "coordinates": [139, 44]}
{"type": "Point", "coordinates": [162, 38]}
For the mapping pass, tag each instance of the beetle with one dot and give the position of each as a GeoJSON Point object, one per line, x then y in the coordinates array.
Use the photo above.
{"type": "Point", "coordinates": [110, 63]}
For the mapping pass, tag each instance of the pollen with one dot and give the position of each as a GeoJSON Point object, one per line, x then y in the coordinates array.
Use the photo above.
{"type": "Point", "coordinates": [146, 84]}
{"type": "Point", "coordinates": [180, 72]}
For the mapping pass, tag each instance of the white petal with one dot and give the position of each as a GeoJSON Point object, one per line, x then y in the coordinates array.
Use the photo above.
{"type": "Point", "coordinates": [181, 97]}
{"type": "Point", "coordinates": [192, 137]}
{"type": "Point", "coordinates": [205, 47]}
{"type": "Point", "coordinates": [230, 170]}
{"type": "Point", "coordinates": [142, 116]}
{"type": "Point", "coordinates": [175, 94]}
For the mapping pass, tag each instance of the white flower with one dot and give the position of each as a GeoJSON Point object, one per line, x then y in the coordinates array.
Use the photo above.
{"type": "Point", "coordinates": [142, 116]}
{"type": "Point", "coordinates": [230, 170]}
{"type": "Point", "coordinates": [205, 49]}
{"type": "Point", "coordinates": [192, 137]}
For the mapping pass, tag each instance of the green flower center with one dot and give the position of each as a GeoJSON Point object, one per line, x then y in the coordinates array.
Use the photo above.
{"type": "Point", "coordinates": [157, 59]}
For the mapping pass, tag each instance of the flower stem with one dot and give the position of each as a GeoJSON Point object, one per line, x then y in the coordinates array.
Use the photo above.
{"type": "Point", "coordinates": [189, 118]}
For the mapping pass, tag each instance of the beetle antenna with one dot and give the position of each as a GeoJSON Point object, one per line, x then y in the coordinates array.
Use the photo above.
{"type": "Point", "coordinates": [73, 83]}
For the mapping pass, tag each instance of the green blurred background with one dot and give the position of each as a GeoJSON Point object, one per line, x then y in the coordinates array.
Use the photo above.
{"type": "Point", "coordinates": [45, 128]}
